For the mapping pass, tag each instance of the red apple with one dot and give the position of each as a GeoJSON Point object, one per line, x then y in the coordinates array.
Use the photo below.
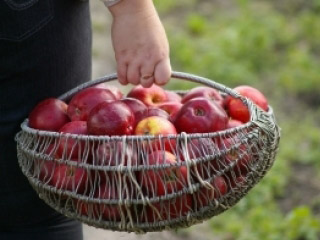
{"type": "Point", "coordinates": [239, 181]}
{"type": "Point", "coordinates": [85, 209]}
{"type": "Point", "coordinates": [69, 147]}
{"type": "Point", "coordinates": [82, 103]}
{"type": "Point", "coordinates": [172, 108]}
{"type": "Point", "coordinates": [69, 178]}
{"type": "Point", "coordinates": [168, 209]}
{"type": "Point", "coordinates": [112, 153]}
{"type": "Point", "coordinates": [152, 111]}
{"type": "Point", "coordinates": [235, 181]}
{"type": "Point", "coordinates": [109, 212]}
{"type": "Point", "coordinates": [200, 147]}
{"type": "Point", "coordinates": [197, 149]}
{"type": "Point", "coordinates": [238, 110]}
{"type": "Point", "coordinates": [50, 115]}
{"type": "Point", "coordinates": [205, 92]}
{"type": "Point", "coordinates": [115, 91]}
{"type": "Point", "coordinates": [159, 182]}
{"type": "Point", "coordinates": [173, 97]}
{"type": "Point", "coordinates": [157, 126]}
{"type": "Point", "coordinates": [101, 211]}
{"type": "Point", "coordinates": [218, 187]}
{"type": "Point", "coordinates": [149, 96]}
{"type": "Point", "coordinates": [111, 118]}
{"type": "Point", "coordinates": [233, 123]}
{"type": "Point", "coordinates": [43, 168]}
{"type": "Point", "coordinates": [241, 154]}
{"type": "Point", "coordinates": [200, 115]}
{"type": "Point", "coordinates": [137, 107]}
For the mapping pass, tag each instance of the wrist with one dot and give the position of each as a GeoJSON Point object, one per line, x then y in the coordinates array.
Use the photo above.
{"type": "Point", "coordinates": [131, 7]}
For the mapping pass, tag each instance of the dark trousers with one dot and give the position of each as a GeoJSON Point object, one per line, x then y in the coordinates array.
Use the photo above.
{"type": "Point", "coordinates": [55, 228]}
{"type": "Point", "coordinates": [45, 50]}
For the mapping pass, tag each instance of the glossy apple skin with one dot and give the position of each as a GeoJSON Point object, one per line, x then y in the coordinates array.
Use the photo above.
{"type": "Point", "coordinates": [172, 108]}
{"type": "Point", "coordinates": [206, 195]}
{"type": "Point", "coordinates": [83, 102]}
{"type": "Point", "coordinates": [152, 112]}
{"type": "Point", "coordinates": [149, 96]}
{"type": "Point", "coordinates": [201, 115]}
{"type": "Point", "coordinates": [111, 118]}
{"type": "Point", "coordinates": [69, 178]}
{"type": "Point", "coordinates": [165, 181]}
{"type": "Point", "coordinates": [205, 92]}
{"type": "Point", "coordinates": [157, 126]}
{"type": "Point", "coordinates": [173, 97]}
{"type": "Point", "coordinates": [238, 110]}
{"type": "Point", "coordinates": [115, 91]}
{"type": "Point", "coordinates": [71, 148]}
{"type": "Point", "coordinates": [50, 115]}
{"type": "Point", "coordinates": [137, 107]}
{"type": "Point", "coordinates": [232, 123]}
{"type": "Point", "coordinates": [169, 209]}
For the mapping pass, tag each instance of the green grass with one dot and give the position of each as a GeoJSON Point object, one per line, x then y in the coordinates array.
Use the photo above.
{"type": "Point", "coordinates": [258, 215]}
{"type": "Point", "coordinates": [274, 46]}
{"type": "Point", "coordinates": [256, 43]}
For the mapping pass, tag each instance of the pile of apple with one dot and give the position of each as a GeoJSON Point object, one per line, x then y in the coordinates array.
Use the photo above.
{"type": "Point", "coordinates": [103, 110]}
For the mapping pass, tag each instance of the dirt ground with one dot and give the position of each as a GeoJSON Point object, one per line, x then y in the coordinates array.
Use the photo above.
{"type": "Point", "coordinates": [199, 232]}
{"type": "Point", "coordinates": [302, 189]}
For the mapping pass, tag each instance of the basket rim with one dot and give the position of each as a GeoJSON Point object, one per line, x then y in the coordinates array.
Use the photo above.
{"type": "Point", "coordinates": [225, 132]}
{"type": "Point", "coordinates": [253, 109]}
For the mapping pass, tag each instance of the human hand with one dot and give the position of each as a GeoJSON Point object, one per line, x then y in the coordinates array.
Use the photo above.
{"type": "Point", "coordinates": [140, 44]}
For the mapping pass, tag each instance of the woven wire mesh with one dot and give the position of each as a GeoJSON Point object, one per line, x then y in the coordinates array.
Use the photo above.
{"type": "Point", "coordinates": [148, 183]}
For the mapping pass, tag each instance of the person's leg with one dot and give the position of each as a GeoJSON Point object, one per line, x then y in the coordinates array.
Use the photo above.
{"type": "Point", "coordinates": [45, 50]}
{"type": "Point", "coordinates": [56, 228]}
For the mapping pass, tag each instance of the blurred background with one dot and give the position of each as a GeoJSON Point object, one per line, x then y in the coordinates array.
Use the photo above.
{"type": "Point", "coordinates": [273, 45]}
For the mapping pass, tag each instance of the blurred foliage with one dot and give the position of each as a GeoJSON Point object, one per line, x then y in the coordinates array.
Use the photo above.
{"type": "Point", "coordinates": [272, 45]}
{"type": "Point", "coordinates": [258, 215]}
{"type": "Point", "coordinates": [253, 41]}
{"type": "Point", "coordinates": [304, 138]}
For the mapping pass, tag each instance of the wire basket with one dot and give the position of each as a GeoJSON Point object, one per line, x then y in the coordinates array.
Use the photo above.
{"type": "Point", "coordinates": [125, 183]}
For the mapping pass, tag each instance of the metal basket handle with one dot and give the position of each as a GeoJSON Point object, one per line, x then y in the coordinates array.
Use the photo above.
{"type": "Point", "coordinates": [176, 75]}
